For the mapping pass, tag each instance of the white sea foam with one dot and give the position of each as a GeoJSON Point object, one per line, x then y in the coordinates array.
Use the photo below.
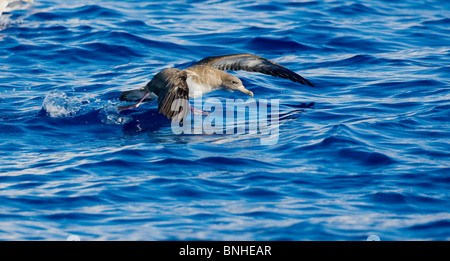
{"type": "Point", "coordinates": [57, 104]}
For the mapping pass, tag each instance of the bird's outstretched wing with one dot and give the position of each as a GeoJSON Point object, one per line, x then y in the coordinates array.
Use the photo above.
{"type": "Point", "coordinates": [173, 93]}
{"type": "Point", "coordinates": [252, 63]}
{"type": "Point", "coordinates": [172, 90]}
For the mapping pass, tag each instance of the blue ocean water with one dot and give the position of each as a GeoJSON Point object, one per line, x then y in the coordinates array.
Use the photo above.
{"type": "Point", "coordinates": [364, 152]}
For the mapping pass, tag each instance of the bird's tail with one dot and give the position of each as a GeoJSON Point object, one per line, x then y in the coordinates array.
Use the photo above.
{"type": "Point", "coordinates": [134, 95]}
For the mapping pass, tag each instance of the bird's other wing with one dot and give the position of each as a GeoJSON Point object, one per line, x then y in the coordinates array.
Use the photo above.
{"type": "Point", "coordinates": [252, 63]}
{"type": "Point", "coordinates": [135, 95]}
{"type": "Point", "coordinates": [173, 93]}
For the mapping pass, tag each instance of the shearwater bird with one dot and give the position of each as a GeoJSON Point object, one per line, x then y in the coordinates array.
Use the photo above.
{"type": "Point", "coordinates": [11, 5]}
{"type": "Point", "coordinates": [174, 87]}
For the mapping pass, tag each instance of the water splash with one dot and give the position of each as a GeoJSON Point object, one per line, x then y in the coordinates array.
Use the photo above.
{"type": "Point", "coordinates": [57, 104]}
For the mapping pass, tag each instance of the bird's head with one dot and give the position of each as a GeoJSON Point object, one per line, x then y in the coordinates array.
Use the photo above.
{"type": "Point", "coordinates": [233, 83]}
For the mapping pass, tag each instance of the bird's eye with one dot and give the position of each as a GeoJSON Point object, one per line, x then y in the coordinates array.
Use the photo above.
{"type": "Point", "coordinates": [234, 82]}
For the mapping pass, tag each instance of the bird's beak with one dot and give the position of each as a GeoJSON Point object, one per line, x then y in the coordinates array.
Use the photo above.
{"type": "Point", "coordinates": [29, 1]}
{"type": "Point", "coordinates": [242, 89]}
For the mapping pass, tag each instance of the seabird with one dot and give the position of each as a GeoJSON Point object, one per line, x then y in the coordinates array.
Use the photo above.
{"type": "Point", "coordinates": [11, 5]}
{"type": "Point", "coordinates": [174, 87]}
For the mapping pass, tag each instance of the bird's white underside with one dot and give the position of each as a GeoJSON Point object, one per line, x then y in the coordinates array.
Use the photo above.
{"type": "Point", "coordinates": [196, 89]}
